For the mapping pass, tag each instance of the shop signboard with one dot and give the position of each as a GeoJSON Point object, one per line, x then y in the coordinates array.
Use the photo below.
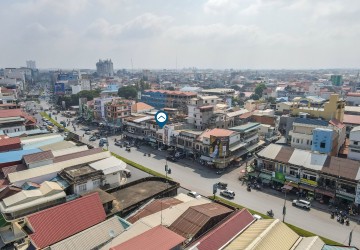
{"type": "Point", "coordinates": [309, 182]}
{"type": "Point", "coordinates": [357, 197]}
{"type": "Point", "coordinates": [219, 146]}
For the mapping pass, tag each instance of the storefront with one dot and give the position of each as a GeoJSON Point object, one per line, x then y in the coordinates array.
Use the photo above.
{"type": "Point", "coordinates": [265, 178]}
{"type": "Point", "coordinates": [278, 178]}
{"type": "Point", "coordinates": [324, 196]}
{"type": "Point", "coordinates": [307, 188]}
{"type": "Point", "coordinates": [345, 197]}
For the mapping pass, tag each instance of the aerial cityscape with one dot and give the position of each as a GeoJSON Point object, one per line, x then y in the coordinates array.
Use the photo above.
{"type": "Point", "coordinates": [195, 125]}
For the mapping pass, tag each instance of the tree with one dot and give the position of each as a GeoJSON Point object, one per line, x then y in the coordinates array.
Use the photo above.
{"type": "Point", "coordinates": [170, 88]}
{"type": "Point", "coordinates": [128, 92]}
{"type": "Point", "coordinates": [236, 87]}
{"type": "Point", "coordinates": [242, 95]}
{"type": "Point", "coordinates": [271, 100]}
{"type": "Point", "coordinates": [255, 97]}
{"type": "Point", "coordinates": [259, 89]}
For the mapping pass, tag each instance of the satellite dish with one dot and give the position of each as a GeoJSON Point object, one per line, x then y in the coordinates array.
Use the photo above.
{"type": "Point", "coordinates": [112, 234]}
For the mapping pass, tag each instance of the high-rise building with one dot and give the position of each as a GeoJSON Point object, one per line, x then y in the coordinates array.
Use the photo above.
{"type": "Point", "coordinates": [31, 64]}
{"type": "Point", "coordinates": [105, 68]}
{"type": "Point", "coordinates": [336, 80]}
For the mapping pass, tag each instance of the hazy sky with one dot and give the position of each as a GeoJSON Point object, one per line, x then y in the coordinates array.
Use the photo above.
{"type": "Point", "coordinates": [205, 34]}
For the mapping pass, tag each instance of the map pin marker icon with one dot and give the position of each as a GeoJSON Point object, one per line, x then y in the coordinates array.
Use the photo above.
{"type": "Point", "coordinates": [161, 118]}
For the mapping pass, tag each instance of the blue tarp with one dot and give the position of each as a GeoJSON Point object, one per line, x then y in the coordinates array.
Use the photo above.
{"type": "Point", "coordinates": [17, 154]}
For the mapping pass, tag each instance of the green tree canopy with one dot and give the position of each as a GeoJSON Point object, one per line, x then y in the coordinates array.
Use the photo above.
{"type": "Point", "coordinates": [255, 97]}
{"type": "Point", "coordinates": [128, 92]}
{"type": "Point", "coordinates": [259, 89]}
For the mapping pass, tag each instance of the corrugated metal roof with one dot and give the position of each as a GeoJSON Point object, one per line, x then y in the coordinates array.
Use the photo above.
{"type": "Point", "coordinates": [310, 243]}
{"type": "Point", "coordinates": [28, 174]}
{"type": "Point", "coordinates": [192, 221]}
{"type": "Point", "coordinates": [57, 223]}
{"type": "Point", "coordinates": [38, 138]}
{"type": "Point", "coordinates": [223, 233]}
{"type": "Point", "coordinates": [93, 236]}
{"type": "Point", "coordinates": [109, 165]}
{"type": "Point", "coordinates": [153, 207]}
{"type": "Point", "coordinates": [28, 132]}
{"type": "Point", "coordinates": [166, 217]}
{"type": "Point", "coordinates": [70, 150]}
{"type": "Point", "coordinates": [58, 145]}
{"type": "Point", "coordinates": [79, 154]}
{"type": "Point", "coordinates": [284, 154]}
{"type": "Point", "coordinates": [314, 122]}
{"type": "Point", "coordinates": [157, 238]}
{"type": "Point", "coordinates": [16, 155]}
{"type": "Point", "coordinates": [104, 196]}
{"type": "Point", "coordinates": [36, 157]}
{"type": "Point", "coordinates": [271, 151]}
{"type": "Point", "coordinates": [12, 169]}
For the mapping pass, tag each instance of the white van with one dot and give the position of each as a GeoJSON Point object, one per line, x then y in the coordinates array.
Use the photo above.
{"type": "Point", "coordinates": [302, 204]}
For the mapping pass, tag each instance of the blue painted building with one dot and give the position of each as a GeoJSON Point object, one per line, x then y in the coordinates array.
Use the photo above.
{"type": "Point", "coordinates": [157, 99]}
{"type": "Point", "coordinates": [322, 140]}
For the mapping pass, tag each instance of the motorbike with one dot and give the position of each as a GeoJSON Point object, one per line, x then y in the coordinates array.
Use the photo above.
{"type": "Point", "coordinates": [347, 222]}
{"type": "Point", "coordinates": [248, 188]}
{"type": "Point", "coordinates": [270, 213]}
{"type": "Point", "coordinates": [149, 154]}
{"type": "Point", "coordinates": [144, 154]}
{"type": "Point", "coordinates": [332, 215]}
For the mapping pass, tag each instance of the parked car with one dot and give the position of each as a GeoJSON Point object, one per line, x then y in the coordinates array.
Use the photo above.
{"type": "Point", "coordinates": [179, 155]}
{"type": "Point", "coordinates": [222, 185]}
{"type": "Point", "coordinates": [92, 138]}
{"type": "Point", "coordinates": [194, 194]}
{"type": "Point", "coordinates": [103, 141]}
{"type": "Point", "coordinates": [119, 143]}
{"type": "Point", "coordinates": [171, 158]}
{"type": "Point", "coordinates": [88, 132]}
{"type": "Point", "coordinates": [302, 204]}
{"type": "Point", "coordinates": [228, 193]}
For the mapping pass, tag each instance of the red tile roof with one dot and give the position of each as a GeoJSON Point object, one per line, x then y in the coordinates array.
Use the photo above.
{"type": "Point", "coordinates": [77, 155]}
{"type": "Point", "coordinates": [219, 236]}
{"type": "Point", "coordinates": [246, 115]}
{"type": "Point", "coordinates": [57, 223]}
{"type": "Point", "coordinates": [141, 106]}
{"type": "Point", "coordinates": [7, 144]}
{"type": "Point", "coordinates": [352, 119]}
{"type": "Point", "coordinates": [4, 183]}
{"type": "Point", "coordinates": [157, 238]}
{"type": "Point", "coordinates": [16, 112]}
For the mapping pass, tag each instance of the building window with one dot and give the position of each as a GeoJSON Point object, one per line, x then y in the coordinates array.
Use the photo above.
{"type": "Point", "coordinates": [82, 187]}
{"type": "Point", "coordinates": [356, 143]}
{"type": "Point", "coordinates": [307, 142]}
{"type": "Point", "coordinates": [355, 150]}
{"type": "Point", "coordinates": [96, 183]}
{"type": "Point", "coordinates": [297, 140]}
{"type": "Point", "coordinates": [293, 171]}
{"type": "Point", "coordinates": [312, 178]}
{"type": "Point", "coordinates": [294, 140]}
{"type": "Point", "coordinates": [322, 145]}
{"type": "Point", "coordinates": [302, 141]}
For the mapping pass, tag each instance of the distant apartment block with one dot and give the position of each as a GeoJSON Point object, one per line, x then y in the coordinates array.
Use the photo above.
{"type": "Point", "coordinates": [31, 64]}
{"type": "Point", "coordinates": [105, 68]}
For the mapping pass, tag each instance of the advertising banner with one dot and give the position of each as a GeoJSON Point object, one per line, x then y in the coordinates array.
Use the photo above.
{"type": "Point", "coordinates": [219, 146]}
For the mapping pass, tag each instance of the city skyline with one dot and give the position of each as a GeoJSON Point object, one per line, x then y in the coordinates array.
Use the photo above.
{"type": "Point", "coordinates": [218, 34]}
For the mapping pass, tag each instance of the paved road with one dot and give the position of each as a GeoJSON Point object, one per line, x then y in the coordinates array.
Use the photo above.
{"type": "Point", "coordinates": [200, 179]}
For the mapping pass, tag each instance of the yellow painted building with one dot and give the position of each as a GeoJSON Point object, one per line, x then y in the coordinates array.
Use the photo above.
{"type": "Point", "coordinates": [333, 109]}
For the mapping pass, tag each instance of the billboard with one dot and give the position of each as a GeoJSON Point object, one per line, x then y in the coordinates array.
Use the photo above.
{"type": "Point", "coordinates": [219, 146]}
{"type": "Point", "coordinates": [59, 88]}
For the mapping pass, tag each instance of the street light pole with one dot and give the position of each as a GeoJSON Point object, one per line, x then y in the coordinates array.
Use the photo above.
{"type": "Point", "coordinates": [284, 207]}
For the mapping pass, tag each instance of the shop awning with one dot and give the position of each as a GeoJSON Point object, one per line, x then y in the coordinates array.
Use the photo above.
{"type": "Point", "coordinates": [236, 147]}
{"type": "Point", "coordinates": [265, 176]}
{"type": "Point", "coordinates": [254, 174]}
{"type": "Point", "coordinates": [265, 181]}
{"type": "Point", "coordinates": [325, 192]}
{"type": "Point", "coordinates": [291, 178]}
{"type": "Point", "coordinates": [277, 180]}
{"type": "Point", "coordinates": [255, 146]}
{"type": "Point", "coordinates": [287, 187]}
{"type": "Point", "coordinates": [205, 158]}
{"type": "Point", "coordinates": [345, 197]}
{"type": "Point", "coordinates": [293, 184]}
{"type": "Point", "coordinates": [307, 187]}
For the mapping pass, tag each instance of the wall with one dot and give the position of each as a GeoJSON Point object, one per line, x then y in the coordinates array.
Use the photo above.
{"type": "Point", "coordinates": [13, 129]}
{"type": "Point", "coordinates": [354, 147]}
{"type": "Point", "coordinates": [322, 140]}
{"type": "Point", "coordinates": [113, 178]}
{"type": "Point", "coordinates": [89, 186]}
